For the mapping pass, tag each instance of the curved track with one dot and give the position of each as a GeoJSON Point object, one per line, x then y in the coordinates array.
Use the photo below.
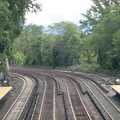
{"type": "Point", "coordinates": [59, 97]}
{"type": "Point", "coordinates": [78, 108]}
{"type": "Point", "coordinates": [107, 108]}
{"type": "Point", "coordinates": [16, 109]}
{"type": "Point", "coordinates": [47, 109]}
{"type": "Point", "coordinates": [105, 103]}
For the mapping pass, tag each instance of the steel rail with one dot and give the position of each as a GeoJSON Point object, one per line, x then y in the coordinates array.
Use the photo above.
{"type": "Point", "coordinates": [107, 111]}
{"type": "Point", "coordinates": [73, 112]}
{"type": "Point", "coordinates": [98, 100]}
{"type": "Point", "coordinates": [17, 107]}
{"type": "Point", "coordinates": [82, 101]}
{"type": "Point", "coordinates": [43, 98]}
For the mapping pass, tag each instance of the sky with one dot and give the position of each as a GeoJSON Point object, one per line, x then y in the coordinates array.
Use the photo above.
{"type": "Point", "coordinates": [55, 11]}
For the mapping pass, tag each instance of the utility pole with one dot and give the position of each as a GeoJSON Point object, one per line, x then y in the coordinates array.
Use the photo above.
{"type": "Point", "coordinates": [7, 69]}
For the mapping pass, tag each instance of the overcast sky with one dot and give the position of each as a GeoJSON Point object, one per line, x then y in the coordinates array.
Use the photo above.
{"type": "Point", "coordinates": [55, 11]}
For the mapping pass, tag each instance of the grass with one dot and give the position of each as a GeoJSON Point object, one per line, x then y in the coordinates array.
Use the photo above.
{"type": "Point", "coordinates": [85, 67]}
{"type": "Point", "coordinates": [94, 68]}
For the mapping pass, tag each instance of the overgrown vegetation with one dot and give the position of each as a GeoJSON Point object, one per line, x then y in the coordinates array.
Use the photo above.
{"type": "Point", "coordinates": [59, 47]}
{"type": "Point", "coordinates": [92, 46]}
{"type": "Point", "coordinates": [12, 17]}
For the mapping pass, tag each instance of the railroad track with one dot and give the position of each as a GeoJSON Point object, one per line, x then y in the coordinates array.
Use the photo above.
{"type": "Point", "coordinates": [47, 109]}
{"type": "Point", "coordinates": [78, 108]}
{"type": "Point", "coordinates": [47, 99]}
{"type": "Point", "coordinates": [59, 97]}
{"type": "Point", "coordinates": [108, 109]}
{"type": "Point", "coordinates": [15, 111]}
{"type": "Point", "coordinates": [107, 105]}
{"type": "Point", "coordinates": [52, 99]}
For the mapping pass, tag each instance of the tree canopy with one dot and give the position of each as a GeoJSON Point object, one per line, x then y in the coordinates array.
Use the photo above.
{"type": "Point", "coordinates": [12, 18]}
{"type": "Point", "coordinates": [59, 47]}
{"type": "Point", "coordinates": [96, 40]}
{"type": "Point", "coordinates": [102, 25]}
{"type": "Point", "coordinates": [62, 44]}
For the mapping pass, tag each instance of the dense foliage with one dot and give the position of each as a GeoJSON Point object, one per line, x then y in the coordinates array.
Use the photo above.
{"type": "Point", "coordinates": [102, 25]}
{"type": "Point", "coordinates": [105, 38]}
{"type": "Point", "coordinates": [12, 17]}
{"type": "Point", "coordinates": [95, 41]}
{"type": "Point", "coordinates": [6, 31]}
{"type": "Point", "coordinates": [59, 46]}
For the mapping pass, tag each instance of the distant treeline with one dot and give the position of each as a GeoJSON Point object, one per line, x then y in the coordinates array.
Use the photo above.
{"type": "Point", "coordinates": [95, 40]}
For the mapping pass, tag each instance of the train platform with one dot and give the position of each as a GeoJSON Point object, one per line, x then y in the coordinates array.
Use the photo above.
{"type": "Point", "coordinates": [4, 91]}
{"type": "Point", "coordinates": [116, 88]}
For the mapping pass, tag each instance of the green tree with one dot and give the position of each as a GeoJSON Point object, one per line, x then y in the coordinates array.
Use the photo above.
{"type": "Point", "coordinates": [29, 42]}
{"type": "Point", "coordinates": [67, 32]}
{"type": "Point", "coordinates": [12, 18]}
{"type": "Point", "coordinates": [95, 13]}
{"type": "Point", "coordinates": [6, 32]}
{"type": "Point", "coordinates": [103, 36]}
{"type": "Point", "coordinates": [6, 27]}
{"type": "Point", "coordinates": [115, 52]}
{"type": "Point", "coordinates": [75, 46]}
{"type": "Point", "coordinates": [100, 23]}
{"type": "Point", "coordinates": [47, 49]}
{"type": "Point", "coordinates": [60, 46]}
{"type": "Point", "coordinates": [19, 58]}
{"type": "Point", "coordinates": [100, 5]}
{"type": "Point", "coordinates": [19, 8]}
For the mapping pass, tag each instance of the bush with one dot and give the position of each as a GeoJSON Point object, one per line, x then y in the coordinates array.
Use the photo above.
{"type": "Point", "coordinates": [85, 67]}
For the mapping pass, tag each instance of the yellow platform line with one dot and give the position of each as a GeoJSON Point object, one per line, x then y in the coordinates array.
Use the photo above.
{"type": "Point", "coordinates": [4, 91]}
{"type": "Point", "coordinates": [116, 88]}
